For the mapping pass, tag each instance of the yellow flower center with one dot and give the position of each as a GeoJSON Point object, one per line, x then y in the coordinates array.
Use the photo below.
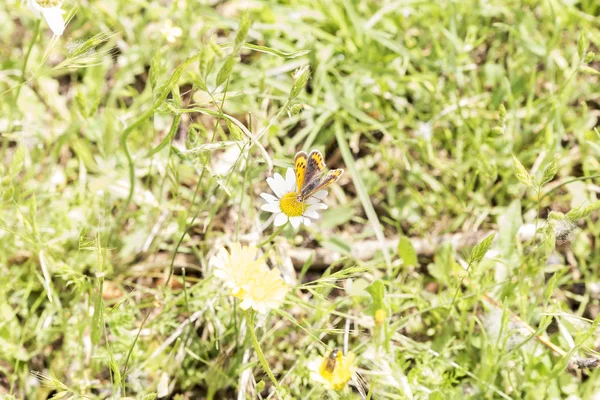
{"type": "Point", "coordinates": [49, 3]}
{"type": "Point", "coordinates": [291, 206]}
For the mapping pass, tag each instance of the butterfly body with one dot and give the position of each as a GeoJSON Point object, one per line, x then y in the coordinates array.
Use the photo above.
{"type": "Point", "coordinates": [309, 178]}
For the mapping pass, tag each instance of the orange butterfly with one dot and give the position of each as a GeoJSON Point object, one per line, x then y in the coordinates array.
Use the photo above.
{"type": "Point", "coordinates": [308, 170]}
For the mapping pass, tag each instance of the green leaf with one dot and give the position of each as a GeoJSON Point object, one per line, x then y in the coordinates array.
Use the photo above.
{"type": "Point", "coordinates": [407, 252]}
{"type": "Point", "coordinates": [336, 217]}
{"type": "Point", "coordinates": [198, 81]}
{"type": "Point", "coordinates": [377, 292]}
{"type": "Point", "coordinates": [583, 211]}
{"type": "Point", "coordinates": [168, 138]}
{"type": "Point", "coordinates": [589, 70]}
{"type": "Point", "coordinates": [550, 171]}
{"type": "Point", "coordinates": [581, 45]}
{"type": "Point", "coordinates": [206, 60]}
{"type": "Point", "coordinates": [16, 165]}
{"type": "Point", "coordinates": [275, 52]}
{"type": "Point", "coordinates": [301, 77]}
{"type": "Point", "coordinates": [98, 317]}
{"type": "Point", "coordinates": [157, 68]}
{"type": "Point", "coordinates": [242, 32]}
{"type": "Point", "coordinates": [479, 251]}
{"type": "Point", "coordinates": [225, 70]}
{"type": "Point", "coordinates": [589, 57]}
{"type": "Point", "coordinates": [522, 174]}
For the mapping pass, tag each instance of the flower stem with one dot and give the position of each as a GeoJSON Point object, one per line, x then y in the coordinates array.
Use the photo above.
{"type": "Point", "coordinates": [275, 233]}
{"type": "Point", "coordinates": [259, 352]}
{"type": "Point", "coordinates": [15, 106]}
{"type": "Point", "coordinates": [26, 61]}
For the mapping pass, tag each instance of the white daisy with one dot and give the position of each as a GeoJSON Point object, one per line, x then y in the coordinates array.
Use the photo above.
{"type": "Point", "coordinates": [286, 205]}
{"type": "Point", "coordinates": [51, 11]}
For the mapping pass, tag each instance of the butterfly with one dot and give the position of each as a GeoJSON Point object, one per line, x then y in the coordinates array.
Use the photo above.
{"type": "Point", "coordinates": [308, 169]}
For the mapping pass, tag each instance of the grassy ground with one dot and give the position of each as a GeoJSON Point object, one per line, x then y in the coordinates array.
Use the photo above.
{"type": "Point", "coordinates": [141, 140]}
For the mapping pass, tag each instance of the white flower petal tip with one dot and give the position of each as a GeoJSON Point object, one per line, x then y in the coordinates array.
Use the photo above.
{"type": "Point", "coordinates": [53, 15]}
{"type": "Point", "coordinates": [280, 219]}
{"type": "Point", "coordinates": [268, 197]}
{"type": "Point", "coordinates": [296, 221]}
{"type": "Point", "coordinates": [271, 207]}
{"type": "Point", "coordinates": [54, 18]}
{"type": "Point", "coordinates": [290, 178]}
{"type": "Point", "coordinates": [321, 194]}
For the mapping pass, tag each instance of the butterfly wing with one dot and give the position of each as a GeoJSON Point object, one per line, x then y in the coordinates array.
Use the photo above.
{"type": "Point", "coordinates": [300, 168]}
{"type": "Point", "coordinates": [315, 166]}
{"type": "Point", "coordinates": [313, 187]}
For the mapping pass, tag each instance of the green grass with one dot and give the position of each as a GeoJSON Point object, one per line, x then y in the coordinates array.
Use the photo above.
{"type": "Point", "coordinates": [129, 160]}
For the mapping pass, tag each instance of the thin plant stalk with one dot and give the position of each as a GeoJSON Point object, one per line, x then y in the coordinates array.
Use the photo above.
{"type": "Point", "coordinates": [34, 39]}
{"type": "Point", "coordinates": [275, 233]}
{"type": "Point", "coordinates": [259, 352]}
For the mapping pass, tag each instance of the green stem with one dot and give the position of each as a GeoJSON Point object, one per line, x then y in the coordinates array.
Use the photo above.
{"type": "Point", "coordinates": [275, 233]}
{"type": "Point", "coordinates": [15, 106]}
{"type": "Point", "coordinates": [582, 178]}
{"type": "Point", "coordinates": [26, 61]}
{"type": "Point", "coordinates": [130, 164]}
{"type": "Point", "coordinates": [259, 352]}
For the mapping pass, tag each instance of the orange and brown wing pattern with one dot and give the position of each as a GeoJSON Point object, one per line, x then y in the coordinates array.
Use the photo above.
{"type": "Point", "coordinates": [313, 187]}
{"type": "Point", "coordinates": [315, 166]}
{"type": "Point", "coordinates": [300, 163]}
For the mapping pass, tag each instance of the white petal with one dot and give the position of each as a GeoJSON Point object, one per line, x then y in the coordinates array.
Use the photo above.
{"type": "Point", "coordinates": [271, 207]}
{"type": "Point", "coordinates": [34, 7]}
{"type": "Point", "coordinates": [272, 182]}
{"type": "Point", "coordinates": [321, 194]}
{"type": "Point", "coordinates": [246, 304]}
{"type": "Point", "coordinates": [295, 221]}
{"type": "Point", "coordinates": [53, 16]}
{"type": "Point", "coordinates": [269, 197]}
{"type": "Point", "coordinates": [307, 221]}
{"type": "Point", "coordinates": [280, 182]}
{"type": "Point", "coordinates": [280, 219]}
{"type": "Point", "coordinates": [317, 206]}
{"type": "Point", "coordinates": [290, 178]}
{"type": "Point", "coordinates": [311, 214]}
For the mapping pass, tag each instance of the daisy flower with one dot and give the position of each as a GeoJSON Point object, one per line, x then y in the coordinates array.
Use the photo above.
{"type": "Point", "coordinates": [333, 371]}
{"type": "Point", "coordinates": [51, 11]}
{"type": "Point", "coordinates": [286, 204]}
{"type": "Point", "coordinates": [249, 279]}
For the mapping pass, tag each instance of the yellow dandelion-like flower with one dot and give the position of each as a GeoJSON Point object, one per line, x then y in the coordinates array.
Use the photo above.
{"type": "Point", "coordinates": [236, 267]}
{"type": "Point", "coordinates": [249, 279]}
{"type": "Point", "coordinates": [333, 371]}
{"type": "Point", "coordinates": [264, 291]}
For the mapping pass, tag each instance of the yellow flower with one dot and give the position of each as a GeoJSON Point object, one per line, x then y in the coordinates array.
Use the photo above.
{"type": "Point", "coordinates": [333, 371]}
{"type": "Point", "coordinates": [249, 279]}
{"type": "Point", "coordinates": [237, 267]}
{"type": "Point", "coordinates": [380, 316]}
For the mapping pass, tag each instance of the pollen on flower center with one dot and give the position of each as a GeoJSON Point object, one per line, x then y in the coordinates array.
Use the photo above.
{"type": "Point", "coordinates": [49, 3]}
{"type": "Point", "coordinates": [290, 205]}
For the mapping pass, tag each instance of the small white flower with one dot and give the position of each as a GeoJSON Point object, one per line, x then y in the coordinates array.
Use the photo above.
{"type": "Point", "coordinates": [286, 204]}
{"type": "Point", "coordinates": [51, 11]}
{"type": "Point", "coordinates": [170, 32]}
